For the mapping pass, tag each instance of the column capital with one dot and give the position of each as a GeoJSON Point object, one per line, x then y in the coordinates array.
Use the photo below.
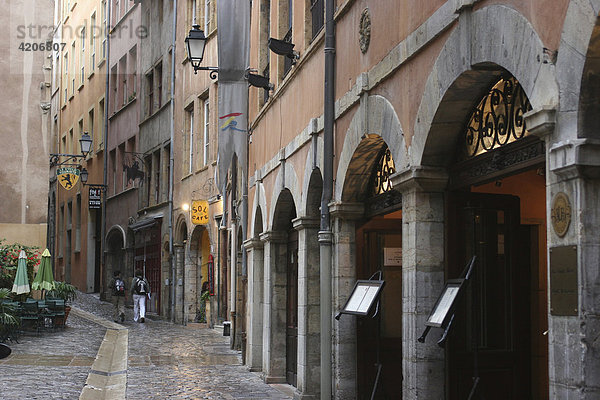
{"type": "Point", "coordinates": [421, 178]}
{"type": "Point", "coordinates": [347, 210]}
{"type": "Point", "coordinates": [253, 243]}
{"type": "Point", "coordinates": [302, 223]}
{"type": "Point", "coordinates": [273, 236]}
{"type": "Point", "coordinates": [540, 122]}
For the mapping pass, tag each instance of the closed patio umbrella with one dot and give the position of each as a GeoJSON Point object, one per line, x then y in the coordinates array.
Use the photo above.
{"type": "Point", "coordinates": [21, 284]}
{"type": "Point", "coordinates": [44, 279]}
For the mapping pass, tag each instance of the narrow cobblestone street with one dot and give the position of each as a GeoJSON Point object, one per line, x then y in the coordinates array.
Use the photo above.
{"type": "Point", "coordinates": [164, 361]}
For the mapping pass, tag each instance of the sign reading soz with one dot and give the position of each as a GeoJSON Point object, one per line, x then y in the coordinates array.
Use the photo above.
{"type": "Point", "coordinates": [200, 212]}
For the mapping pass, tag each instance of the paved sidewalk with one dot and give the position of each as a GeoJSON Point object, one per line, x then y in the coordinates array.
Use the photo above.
{"type": "Point", "coordinates": [97, 358]}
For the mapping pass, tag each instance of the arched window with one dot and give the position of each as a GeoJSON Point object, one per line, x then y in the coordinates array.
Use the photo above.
{"type": "Point", "coordinates": [497, 120]}
{"type": "Point", "coordinates": [383, 170]}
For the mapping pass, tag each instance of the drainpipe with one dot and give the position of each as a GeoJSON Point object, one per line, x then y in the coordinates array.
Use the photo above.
{"type": "Point", "coordinates": [171, 163]}
{"type": "Point", "coordinates": [105, 154]}
{"type": "Point", "coordinates": [233, 251]}
{"type": "Point", "coordinates": [325, 234]}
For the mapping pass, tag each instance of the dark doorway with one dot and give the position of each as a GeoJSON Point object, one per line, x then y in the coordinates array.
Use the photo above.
{"type": "Point", "coordinates": [291, 338]}
{"type": "Point", "coordinates": [148, 260]}
{"type": "Point", "coordinates": [492, 326]}
{"type": "Point", "coordinates": [379, 248]}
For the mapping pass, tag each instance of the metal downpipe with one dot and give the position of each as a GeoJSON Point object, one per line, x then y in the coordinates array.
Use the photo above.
{"type": "Point", "coordinates": [325, 234]}
{"type": "Point", "coordinates": [171, 165]}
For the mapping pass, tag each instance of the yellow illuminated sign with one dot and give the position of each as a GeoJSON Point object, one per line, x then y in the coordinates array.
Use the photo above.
{"type": "Point", "coordinates": [200, 212]}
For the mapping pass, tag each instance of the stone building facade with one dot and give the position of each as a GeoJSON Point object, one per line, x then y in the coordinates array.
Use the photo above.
{"type": "Point", "coordinates": [462, 128]}
{"type": "Point", "coordinates": [81, 69]}
{"type": "Point", "coordinates": [26, 82]}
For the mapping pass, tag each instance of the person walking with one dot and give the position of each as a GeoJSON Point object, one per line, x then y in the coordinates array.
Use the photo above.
{"type": "Point", "coordinates": [140, 289]}
{"type": "Point", "coordinates": [118, 296]}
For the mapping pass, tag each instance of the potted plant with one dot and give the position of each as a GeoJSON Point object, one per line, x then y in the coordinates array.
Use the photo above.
{"type": "Point", "coordinates": [9, 318]}
{"type": "Point", "coordinates": [64, 291]}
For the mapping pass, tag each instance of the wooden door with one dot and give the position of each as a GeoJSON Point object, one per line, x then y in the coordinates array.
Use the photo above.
{"type": "Point", "coordinates": [491, 329]}
{"type": "Point", "coordinates": [292, 310]}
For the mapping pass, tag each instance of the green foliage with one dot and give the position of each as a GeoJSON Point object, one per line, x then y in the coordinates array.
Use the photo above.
{"type": "Point", "coordinates": [8, 314]}
{"type": "Point", "coordinates": [64, 291]}
{"type": "Point", "coordinates": [9, 256]}
{"type": "Point", "coordinates": [205, 296]}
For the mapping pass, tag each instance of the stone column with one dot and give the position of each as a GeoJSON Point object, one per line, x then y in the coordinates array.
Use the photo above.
{"type": "Point", "coordinates": [422, 278]}
{"type": "Point", "coordinates": [343, 216]}
{"type": "Point", "coordinates": [274, 314]}
{"type": "Point", "coordinates": [179, 251]}
{"type": "Point", "coordinates": [309, 356]}
{"type": "Point", "coordinates": [190, 292]}
{"type": "Point", "coordinates": [573, 166]}
{"type": "Point", "coordinates": [254, 349]}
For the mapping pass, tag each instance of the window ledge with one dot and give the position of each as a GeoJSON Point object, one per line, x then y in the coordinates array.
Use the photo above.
{"type": "Point", "coordinates": [71, 96]}
{"type": "Point", "coordinates": [201, 169]}
{"type": "Point", "coordinates": [80, 87]}
{"type": "Point", "coordinates": [101, 62]}
{"type": "Point", "coordinates": [91, 74]}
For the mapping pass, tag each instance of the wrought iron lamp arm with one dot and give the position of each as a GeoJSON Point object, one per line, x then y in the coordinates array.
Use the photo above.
{"type": "Point", "coordinates": [55, 158]}
{"type": "Point", "coordinates": [214, 71]}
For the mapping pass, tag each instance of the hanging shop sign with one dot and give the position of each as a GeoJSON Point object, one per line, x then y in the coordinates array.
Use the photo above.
{"type": "Point", "coordinates": [561, 214]}
{"type": "Point", "coordinates": [200, 212]}
{"type": "Point", "coordinates": [95, 198]}
{"type": "Point", "coordinates": [68, 177]}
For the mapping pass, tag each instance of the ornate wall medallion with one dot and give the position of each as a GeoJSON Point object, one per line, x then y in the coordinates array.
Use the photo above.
{"type": "Point", "coordinates": [365, 30]}
{"type": "Point", "coordinates": [561, 214]}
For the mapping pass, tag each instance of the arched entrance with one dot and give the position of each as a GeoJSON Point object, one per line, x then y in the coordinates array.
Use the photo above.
{"type": "Point", "coordinates": [378, 249]}
{"type": "Point", "coordinates": [197, 263]}
{"type": "Point", "coordinates": [284, 265]}
{"type": "Point", "coordinates": [115, 256]}
{"type": "Point", "coordinates": [496, 211]}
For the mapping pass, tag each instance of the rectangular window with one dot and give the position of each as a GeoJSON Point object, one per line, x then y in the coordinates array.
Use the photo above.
{"type": "Point", "coordinates": [61, 229]}
{"type": "Point", "coordinates": [82, 55]}
{"type": "Point", "coordinates": [147, 197]}
{"type": "Point", "coordinates": [317, 12]}
{"type": "Point", "coordinates": [70, 144]}
{"type": "Point", "coordinates": [206, 154]}
{"type": "Point", "coordinates": [123, 170]}
{"type": "Point", "coordinates": [190, 138]}
{"type": "Point", "coordinates": [159, 84]}
{"type": "Point", "coordinates": [104, 28]}
{"type": "Point", "coordinates": [93, 43]}
{"type": "Point", "coordinates": [66, 78]}
{"type": "Point", "coordinates": [117, 11]}
{"type": "Point", "coordinates": [74, 70]}
{"type": "Point", "coordinates": [207, 16]}
{"type": "Point", "coordinates": [157, 166]}
{"type": "Point", "coordinates": [132, 72]}
{"type": "Point", "coordinates": [101, 117]}
{"type": "Point", "coordinates": [92, 126]}
{"type": "Point", "coordinates": [113, 167]}
{"type": "Point", "coordinates": [78, 223]}
{"type": "Point", "coordinates": [149, 93]}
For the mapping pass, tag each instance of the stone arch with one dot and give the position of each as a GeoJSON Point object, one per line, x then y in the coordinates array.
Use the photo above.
{"type": "Point", "coordinates": [181, 232]}
{"type": "Point", "coordinates": [588, 118]}
{"type": "Point", "coordinates": [376, 118]}
{"type": "Point", "coordinates": [464, 72]}
{"type": "Point", "coordinates": [259, 204]}
{"type": "Point", "coordinates": [313, 189]}
{"type": "Point", "coordinates": [118, 230]}
{"type": "Point", "coordinates": [577, 37]}
{"type": "Point", "coordinates": [115, 254]}
{"type": "Point", "coordinates": [287, 179]}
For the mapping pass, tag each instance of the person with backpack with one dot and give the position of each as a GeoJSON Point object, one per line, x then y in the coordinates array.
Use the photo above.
{"type": "Point", "coordinates": [118, 296]}
{"type": "Point", "coordinates": [140, 289]}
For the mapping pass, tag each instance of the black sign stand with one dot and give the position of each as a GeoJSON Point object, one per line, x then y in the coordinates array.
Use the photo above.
{"type": "Point", "coordinates": [363, 308]}
{"type": "Point", "coordinates": [442, 316]}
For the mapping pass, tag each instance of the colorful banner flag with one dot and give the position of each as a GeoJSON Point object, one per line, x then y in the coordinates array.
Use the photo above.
{"type": "Point", "coordinates": [233, 38]}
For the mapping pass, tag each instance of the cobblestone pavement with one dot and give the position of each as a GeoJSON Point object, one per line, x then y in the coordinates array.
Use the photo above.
{"type": "Point", "coordinates": [165, 361]}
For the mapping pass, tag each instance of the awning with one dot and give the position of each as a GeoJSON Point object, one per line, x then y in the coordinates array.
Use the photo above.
{"type": "Point", "coordinates": [145, 223]}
